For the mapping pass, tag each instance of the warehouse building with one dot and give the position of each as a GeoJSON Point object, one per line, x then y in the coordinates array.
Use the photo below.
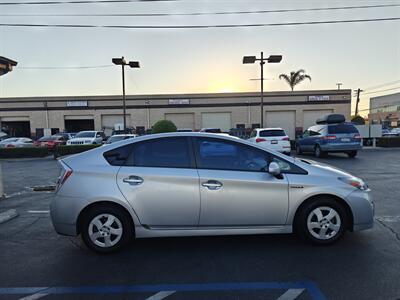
{"type": "Point", "coordinates": [293, 111]}
{"type": "Point", "coordinates": [385, 110]}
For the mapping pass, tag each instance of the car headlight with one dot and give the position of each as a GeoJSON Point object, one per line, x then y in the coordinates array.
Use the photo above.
{"type": "Point", "coordinates": [355, 182]}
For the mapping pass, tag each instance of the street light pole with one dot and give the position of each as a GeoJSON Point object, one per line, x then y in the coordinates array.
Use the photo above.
{"type": "Point", "coordinates": [252, 60]}
{"type": "Point", "coordinates": [262, 89]}
{"type": "Point", "coordinates": [123, 94]}
{"type": "Point", "coordinates": [133, 64]}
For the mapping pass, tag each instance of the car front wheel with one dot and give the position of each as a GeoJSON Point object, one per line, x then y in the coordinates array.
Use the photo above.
{"type": "Point", "coordinates": [322, 222]}
{"type": "Point", "coordinates": [106, 229]}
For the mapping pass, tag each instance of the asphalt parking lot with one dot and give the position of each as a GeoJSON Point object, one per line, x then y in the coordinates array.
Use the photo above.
{"type": "Point", "coordinates": [37, 263]}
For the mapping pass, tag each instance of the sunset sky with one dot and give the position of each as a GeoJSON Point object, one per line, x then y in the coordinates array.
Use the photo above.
{"type": "Point", "coordinates": [362, 55]}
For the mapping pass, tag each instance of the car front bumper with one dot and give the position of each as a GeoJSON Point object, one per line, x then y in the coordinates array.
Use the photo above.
{"type": "Point", "coordinates": [363, 209]}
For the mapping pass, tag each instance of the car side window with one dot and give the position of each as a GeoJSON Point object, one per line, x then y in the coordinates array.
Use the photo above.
{"type": "Point", "coordinates": [314, 133]}
{"type": "Point", "coordinates": [226, 155]}
{"type": "Point", "coordinates": [118, 156]}
{"type": "Point", "coordinates": [306, 133]}
{"type": "Point", "coordinates": [253, 134]}
{"type": "Point", "coordinates": [171, 152]}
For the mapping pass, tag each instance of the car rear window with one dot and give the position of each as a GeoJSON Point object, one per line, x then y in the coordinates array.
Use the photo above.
{"type": "Point", "coordinates": [342, 128]}
{"type": "Point", "coordinates": [267, 133]}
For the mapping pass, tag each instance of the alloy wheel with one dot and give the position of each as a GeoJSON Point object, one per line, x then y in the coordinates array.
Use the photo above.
{"type": "Point", "coordinates": [105, 230]}
{"type": "Point", "coordinates": [324, 223]}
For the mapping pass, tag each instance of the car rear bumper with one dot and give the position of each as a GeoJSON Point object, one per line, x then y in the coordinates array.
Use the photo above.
{"type": "Point", "coordinates": [339, 147]}
{"type": "Point", "coordinates": [64, 212]}
{"type": "Point", "coordinates": [280, 147]}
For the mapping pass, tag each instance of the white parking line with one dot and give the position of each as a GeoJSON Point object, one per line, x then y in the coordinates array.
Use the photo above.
{"type": "Point", "coordinates": [38, 211]}
{"type": "Point", "coordinates": [291, 294]}
{"type": "Point", "coordinates": [160, 295]}
{"type": "Point", "coordinates": [34, 296]}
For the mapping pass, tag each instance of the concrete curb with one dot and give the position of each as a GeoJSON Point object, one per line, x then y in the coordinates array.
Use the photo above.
{"type": "Point", "coordinates": [8, 215]}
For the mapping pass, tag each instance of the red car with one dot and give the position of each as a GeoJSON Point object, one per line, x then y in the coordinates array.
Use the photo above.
{"type": "Point", "coordinates": [50, 141]}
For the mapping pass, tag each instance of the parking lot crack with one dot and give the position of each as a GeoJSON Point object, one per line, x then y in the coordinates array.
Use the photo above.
{"type": "Point", "coordinates": [396, 235]}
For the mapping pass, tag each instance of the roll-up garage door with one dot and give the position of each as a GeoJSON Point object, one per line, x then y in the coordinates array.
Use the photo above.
{"type": "Point", "coordinates": [283, 119]}
{"type": "Point", "coordinates": [109, 121]}
{"type": "Point", "coordinates": [78, 123]}
{"type": "Point", "coordinates": [181, 120]}
{"type": "Point", "coordinates": [310, 116]}
{"type": "Point", "coordinates": [216, 120]}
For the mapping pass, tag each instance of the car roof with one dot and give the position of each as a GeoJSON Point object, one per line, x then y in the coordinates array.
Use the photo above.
{"type": "Point", "coordinates": [127, 134]}
{"type": "Point", "coordinates": [274, 128]}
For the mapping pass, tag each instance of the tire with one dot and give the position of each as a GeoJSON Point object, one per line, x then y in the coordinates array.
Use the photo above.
{"type": "Point", "coordinates": [117, 228]}
{"type": "Point", "coordinates": [322, 222]}
{"type": "Point", "coordinates": [352, 154]}
{"type": "Point", "coordinates": [318, 152]}
{"type": "Point", "coordinates": [298, 150]}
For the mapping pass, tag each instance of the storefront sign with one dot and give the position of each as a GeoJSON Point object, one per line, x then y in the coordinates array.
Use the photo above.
{"type": "Point", "coordinates": [80, 103]}
{"type": "Point", "coordinates": [318, 98]}
{"type": "Point", "coordinates": [179, 101]}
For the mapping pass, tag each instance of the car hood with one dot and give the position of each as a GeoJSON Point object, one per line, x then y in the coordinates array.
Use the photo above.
{"type": "Point", "coordinates": [323, 168]}
{"type": "Point", "coordinates": [82, 139]}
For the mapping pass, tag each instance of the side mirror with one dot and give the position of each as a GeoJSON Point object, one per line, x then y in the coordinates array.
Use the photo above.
{"type": "Point", "coordinates": [274, 169]}
{"type": "Point", "coordinates": [300, 136]}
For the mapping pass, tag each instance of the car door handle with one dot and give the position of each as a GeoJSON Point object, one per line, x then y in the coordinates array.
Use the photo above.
{"type": "Point", "coordinates": [133, 180]}
{"type": "Point", "coordinates": [212, 185]}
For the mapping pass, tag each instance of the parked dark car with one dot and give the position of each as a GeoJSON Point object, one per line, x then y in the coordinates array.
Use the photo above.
{"type": "Point", "coordinates": [330, 135]}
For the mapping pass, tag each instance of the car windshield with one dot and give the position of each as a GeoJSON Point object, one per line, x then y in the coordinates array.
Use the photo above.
{"type": "Point", "coordinates": [116, 138]}
{"type": "Point", "coordinates": [12, 140]}
{"type": "Point", "coordinates": [48, 138]}
{"type": "Point", "coordinates": [267, 133]}
{"type": "Point", "coordinates": [342, 128]}
{"type": "Point", "coordinates": [86, 134]}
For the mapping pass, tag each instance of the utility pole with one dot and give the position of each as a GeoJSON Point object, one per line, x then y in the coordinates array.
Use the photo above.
{"type": "Point", "coordinates": [358, 91]}
{"type": "Point", "coordinates": [262, 62]}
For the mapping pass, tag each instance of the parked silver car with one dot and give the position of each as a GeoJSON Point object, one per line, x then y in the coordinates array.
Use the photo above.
{"type": "Point", "coordinates": [187, 184]}
{"type": "Point", "coordinates": [16, 142]}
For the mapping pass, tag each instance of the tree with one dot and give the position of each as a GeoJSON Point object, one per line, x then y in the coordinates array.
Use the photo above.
{"type": "Point", "coordinates": [163, 126]}
{"type": "Point", "coordinates": [295, 78]}
{"type": "Point", "coordinates": [358, 120]}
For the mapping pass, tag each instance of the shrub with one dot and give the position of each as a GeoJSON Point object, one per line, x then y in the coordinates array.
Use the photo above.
{"type": "Point", "coordinates": [72, 149]}
{"type": "Point", "coordinates": [23, 152]}
{"type": "Point", "coordinates": [164, 126]}
{"type": "Point", "coordinates": [358, 120]}
{"type": "Point", "coordinates": [388, 142]}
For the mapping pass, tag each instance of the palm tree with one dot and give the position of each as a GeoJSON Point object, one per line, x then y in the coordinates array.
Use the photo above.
{"type": "Point", "coordinates": [295, 78]}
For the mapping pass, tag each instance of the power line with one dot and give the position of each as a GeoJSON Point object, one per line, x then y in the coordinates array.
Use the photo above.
{"type": "Point", "coordinates": [203, 13]}
{"type": "Point", "coordinates": [395, 88]}
{"type": "Point", "coordinates": [65, 67]}
{"type": "Point", "coordinates": [198, 26]}
{"type": "Point", "coordinates": [76, 2]}
{"type": "Point", "coordinates": [381, 85]}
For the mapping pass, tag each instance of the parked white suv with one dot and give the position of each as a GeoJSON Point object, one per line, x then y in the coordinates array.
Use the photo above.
{"type": "Point", "coordinates": [271, 138]}
{"type": "Point", "coordinates": [87, 137]}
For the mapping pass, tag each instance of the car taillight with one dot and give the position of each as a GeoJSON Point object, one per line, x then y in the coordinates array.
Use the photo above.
{"type": "Point", "coordinates": [260, 140]}
{"type": "Point", "coordinates": [285, 138]}
{"type": "Point", "coordinates": [330, 137]}
{"type": "Point", "coordinates": [64, 178]}
{"type": "Point", "coordinates": [357, 136]}
{"type": "Point", "coordinates": [10, 146]}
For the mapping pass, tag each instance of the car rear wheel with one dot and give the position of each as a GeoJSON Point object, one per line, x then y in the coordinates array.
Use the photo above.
{"type": "Point", "coordinates": [106, 228]}
{"type": "Point", "coordinates": [352, 154]}
{"type": "Point", "coordinates": [298, 149]}
{"type": "Point", "coordinates": [322, 222]}
{"type": "Point", "coordinates": [318, 152]}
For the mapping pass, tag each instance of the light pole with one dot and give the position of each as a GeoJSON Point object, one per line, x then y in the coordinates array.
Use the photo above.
{"type": "Point", "coordinates": [262, 60]}
{"type": "Point", "coordinates": [133, 64]}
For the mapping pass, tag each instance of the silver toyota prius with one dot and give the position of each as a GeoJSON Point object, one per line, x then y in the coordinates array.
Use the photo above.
{"type": "Point", "coordinates": [191, 184]}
